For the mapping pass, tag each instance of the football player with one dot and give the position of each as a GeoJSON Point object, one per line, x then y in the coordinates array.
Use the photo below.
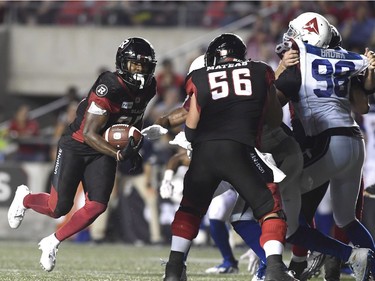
{"type": "Point", "coordinates": [84, 156]}
{"type": "Point", "coordinates": [323, 106]}
{"type": "Point", "coordinates": [222, 127]}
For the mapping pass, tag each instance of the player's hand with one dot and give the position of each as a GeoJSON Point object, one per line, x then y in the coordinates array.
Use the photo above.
{"type": "Point", "coordinates": [180, 140]}
{"type": "Point", "coordinates": [132, 149]}
{"type": "Point", "coordinates": [371, 58]}
{"type": "Point", "coordinates": [154, 132]}
{"type": "Point", "coordinates": [253, 261]}
{"type": "Point", "coordinates": [290, 58]}
{"type": "Point", "coordinates": [166, 188]}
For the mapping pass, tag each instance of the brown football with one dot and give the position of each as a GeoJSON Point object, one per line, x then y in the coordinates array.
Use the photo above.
{"type": "Point", "coordinates": [118, 135]}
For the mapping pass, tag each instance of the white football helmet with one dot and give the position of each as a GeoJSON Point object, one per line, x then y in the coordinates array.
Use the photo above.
{"type": "Point", "coordinates": [311, 28]}
{"type": "Point", "coordinates": [197, 63]}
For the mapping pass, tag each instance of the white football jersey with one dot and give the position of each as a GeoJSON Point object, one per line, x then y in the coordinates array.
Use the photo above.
{"type": "Point", "coordinates": [323, 100]}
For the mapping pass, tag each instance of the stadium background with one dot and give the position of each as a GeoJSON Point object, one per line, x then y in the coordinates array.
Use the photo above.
{"type": "Point", "coordinates": [48, 47]}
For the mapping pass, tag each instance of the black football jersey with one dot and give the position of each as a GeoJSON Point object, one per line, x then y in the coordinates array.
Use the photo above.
{"type": "Point", "coordinates": [231, 98]}
{"type": "Point", "coordinates": [123, 105]}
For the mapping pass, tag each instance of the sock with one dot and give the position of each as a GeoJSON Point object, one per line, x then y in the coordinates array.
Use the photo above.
{"type": "Point", "coordinates": [359, 235]}
{"type": "Point", "coordinates": [250, 232]}
{"type": "Point", "coordinates": [220, 234]}
{"type": "Point", "coordinates": [312, 239]}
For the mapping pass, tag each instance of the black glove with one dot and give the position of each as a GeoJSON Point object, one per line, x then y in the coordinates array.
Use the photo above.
{"type": "Point", "coordinates": [131, 150]}
{"type": "Point", "coordinates": [137, 162]}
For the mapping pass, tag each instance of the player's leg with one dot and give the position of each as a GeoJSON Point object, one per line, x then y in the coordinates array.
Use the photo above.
{"type": "Point", "coordinates": [200, 184]}
{"type": "Point", "coordinates": [98, 181]}
{"type": "Point", "coordinates": [56, 203]}
{"type": "Point", "coordinates": [266, 206]}
{"type": "Point", "coordinates": [218, 214]}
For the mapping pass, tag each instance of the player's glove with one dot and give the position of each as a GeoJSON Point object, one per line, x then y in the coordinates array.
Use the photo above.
{"type": "Point", "coordinates": [154, 132]}
{"type": "Point", "coordinates": [137, 162]}
{"type": "Point", "coordinates": [180, 140]}
{"type": "Point", "coordinates": [166, 188]}
{"type": "Point", "coordinates": [131, 150]}
{"type": "Point", "coordinates": [253, 261]}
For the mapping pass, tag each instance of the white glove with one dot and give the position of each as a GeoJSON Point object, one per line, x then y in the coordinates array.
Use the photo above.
{"type": "Point", "coordinates": [166, 188]}
{"type": "Point", "coordinates": [253, 261]}
{"type": "Point", "coordinates": [154, 132]}
{"type": "Point", "coordinates": [180, 139]}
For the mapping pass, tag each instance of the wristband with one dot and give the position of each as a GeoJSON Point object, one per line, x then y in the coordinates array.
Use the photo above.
{"type": "Point", "coordinates": [168, 175]}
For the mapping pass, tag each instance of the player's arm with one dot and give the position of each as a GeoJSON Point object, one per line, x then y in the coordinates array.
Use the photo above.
{"type": "Point", "coordinates": [369, 81]}
{"type": "Point", "coordinates": [192, 119]}
{"type": "Point", "coordinates": [358, 98]}
{"type": "Point", "coordinates": [289, 58]}
{"type": "Point", "coordinates": [173, 119]}
{"type": "Point", "coordinates": [162, 124]}
{"type": "Point", "coordinates": [94, 123]}
{"type": "Point", "coordinates": [274, 112]}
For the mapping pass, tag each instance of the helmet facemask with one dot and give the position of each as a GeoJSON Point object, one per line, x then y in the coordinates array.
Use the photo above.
{"type": "Point", "coordinates": [134, 78]}
{"type": "Point", "coordinates": [135, 62]}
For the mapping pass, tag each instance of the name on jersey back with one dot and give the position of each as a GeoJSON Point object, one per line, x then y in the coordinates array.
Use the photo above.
{"type": "Point", "coordinates": [228, 65]}
{"type": "Point", "coordinates": [331, 54]}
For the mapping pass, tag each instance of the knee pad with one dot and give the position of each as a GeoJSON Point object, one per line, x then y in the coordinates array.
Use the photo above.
{"type": "Point", "coordinates": [186, 225]}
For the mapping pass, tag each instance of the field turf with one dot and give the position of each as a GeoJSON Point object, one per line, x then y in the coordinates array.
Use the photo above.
{"type": "Point", "coordinates": [19, 261]}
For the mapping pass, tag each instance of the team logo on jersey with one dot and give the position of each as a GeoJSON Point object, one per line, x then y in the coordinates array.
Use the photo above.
{"type": "Point", "coordinates": [312, 26]}
{"type": "Point", "coordinates": [101, 90]}
{"type": "Point", "coordinates": [127, 105]}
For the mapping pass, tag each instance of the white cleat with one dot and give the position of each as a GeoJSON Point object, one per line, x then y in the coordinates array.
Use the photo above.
{"type": "Point", "coordinates": [49, 246]}
{"type": "Point", "coordinates": [17, 210]}
{"type": "Point", "coordinates": [360, 262]}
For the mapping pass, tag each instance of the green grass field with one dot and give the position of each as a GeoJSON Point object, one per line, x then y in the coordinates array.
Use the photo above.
{"type": "Point", "coordinates": [108, 262]}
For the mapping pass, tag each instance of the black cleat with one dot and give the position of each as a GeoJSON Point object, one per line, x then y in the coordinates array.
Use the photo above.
{"type": "Point", "coordinates": [175, 272]}
{"type": "Point", "coordinates": [276, 270]}
{"type": "Point", "coordinates": [332, 267]}
{"type": "Point", "coordinates": [297, 268]}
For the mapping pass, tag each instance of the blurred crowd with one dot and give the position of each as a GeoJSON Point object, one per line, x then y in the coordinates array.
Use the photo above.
{"type": "Point", "coordinates": [138, 194]}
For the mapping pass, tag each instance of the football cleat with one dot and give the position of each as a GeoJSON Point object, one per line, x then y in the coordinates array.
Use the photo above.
{"type": "Point", "coordinates": [360, 261]}
{"type": "Point", "coordinates": [171, 272]}
{"type": "Point", "coordinates": [297, 267]}
{"type": "Point", "coordinates": [314, 265]}
{"type": "Point", "coordinates": [49, 246]}
{"type": "Point", "coordinates": [17, 210]}
{"type": "Point", "coordinates": [224, 268]}
{"type": "Point", "coordinates": [332, 266]}
{"type": "Point", "coordinates": [277, 271]}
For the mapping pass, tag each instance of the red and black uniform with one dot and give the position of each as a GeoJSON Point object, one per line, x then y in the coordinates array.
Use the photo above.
{"type": "Point", "coordinates": [231, 100]}
{"type": "Point", "coordinates": [78, 162]}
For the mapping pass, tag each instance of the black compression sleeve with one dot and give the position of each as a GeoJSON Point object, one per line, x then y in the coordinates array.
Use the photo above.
{"type": "Point", "coordinates": [190, 133]}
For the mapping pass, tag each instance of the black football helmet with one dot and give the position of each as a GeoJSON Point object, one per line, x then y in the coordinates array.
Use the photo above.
{"type": "Point", "coordinates": [137, 50]}
{"type": "Point", "coordinates": [223, 46]}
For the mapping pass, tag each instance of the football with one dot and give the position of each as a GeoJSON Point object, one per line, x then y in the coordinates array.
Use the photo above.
{"type": "Point", "coordinates": [118, 135]}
